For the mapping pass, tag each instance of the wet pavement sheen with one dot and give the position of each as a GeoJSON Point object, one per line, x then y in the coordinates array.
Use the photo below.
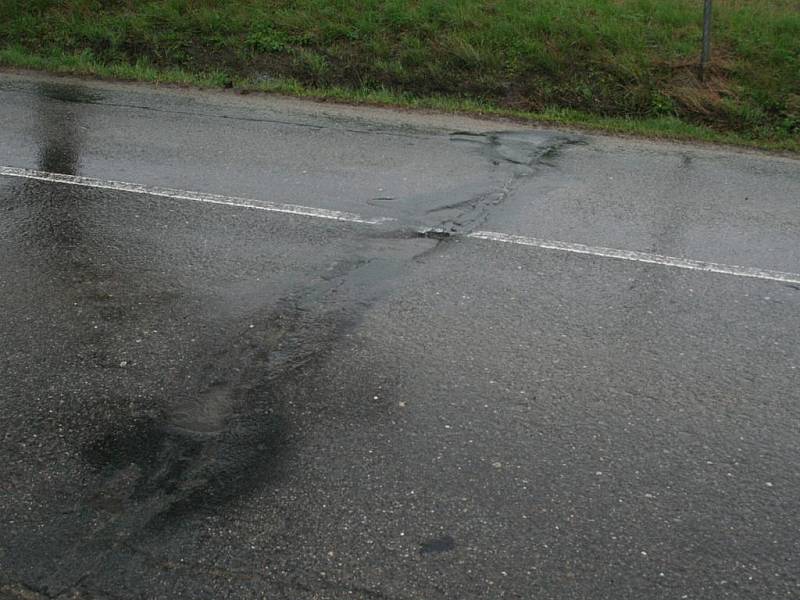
{"type": "Point", "coordinates": [212, 402]}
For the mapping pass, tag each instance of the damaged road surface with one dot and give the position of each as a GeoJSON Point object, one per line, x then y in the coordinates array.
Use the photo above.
{"type": "Point", "coordinates": [262, 348]}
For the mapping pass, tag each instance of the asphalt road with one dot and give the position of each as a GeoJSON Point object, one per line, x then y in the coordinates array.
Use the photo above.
{"type": "Point", "coordinates": [358, 395]}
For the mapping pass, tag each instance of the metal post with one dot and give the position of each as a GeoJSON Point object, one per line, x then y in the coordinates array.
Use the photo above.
{"type": "Point", "coordinates": [706, 55]}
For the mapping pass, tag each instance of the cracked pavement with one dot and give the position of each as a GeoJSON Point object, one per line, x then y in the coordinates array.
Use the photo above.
{"type": "Point", "coordinates": [210, 401]}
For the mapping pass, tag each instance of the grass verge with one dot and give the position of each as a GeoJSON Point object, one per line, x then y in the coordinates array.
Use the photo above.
{"type": "Point", "coordinates": [624, 66]}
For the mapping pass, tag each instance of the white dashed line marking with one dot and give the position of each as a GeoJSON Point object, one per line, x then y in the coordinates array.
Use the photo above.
{"type": "Point", "coordinates": [642, 257]}
{"type": "Point", "coordinates": [323, 213]}
{"type": "Point", "coordinates": [135, 188]}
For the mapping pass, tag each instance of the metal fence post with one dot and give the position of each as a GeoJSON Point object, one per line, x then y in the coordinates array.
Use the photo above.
{"type": "Point", "coordinates": [706, 54]}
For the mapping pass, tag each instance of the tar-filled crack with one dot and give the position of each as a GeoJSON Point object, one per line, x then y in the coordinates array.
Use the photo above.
{"type": "Point", "coordinates": [518, 155]}
{"type": "Point", "coordinates": [434, 233]}
{"type": "Point", "coordinates": [473, 212]}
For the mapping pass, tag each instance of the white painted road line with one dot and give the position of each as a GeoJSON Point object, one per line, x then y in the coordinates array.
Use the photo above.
{"type": "Point", "coordinates": [322, 213]}
{"type": "Point", "coordinates": [643, 257]}
{"type": "Point", "coordinates": [135, 188]}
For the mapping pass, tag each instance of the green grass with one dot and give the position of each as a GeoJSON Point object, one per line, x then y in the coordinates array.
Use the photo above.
{"type": "Point", "coordinates": [620, 65]}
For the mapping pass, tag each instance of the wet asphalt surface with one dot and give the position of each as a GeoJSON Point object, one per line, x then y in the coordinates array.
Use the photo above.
{"type": "Point", "coordinates": [201, 401]}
